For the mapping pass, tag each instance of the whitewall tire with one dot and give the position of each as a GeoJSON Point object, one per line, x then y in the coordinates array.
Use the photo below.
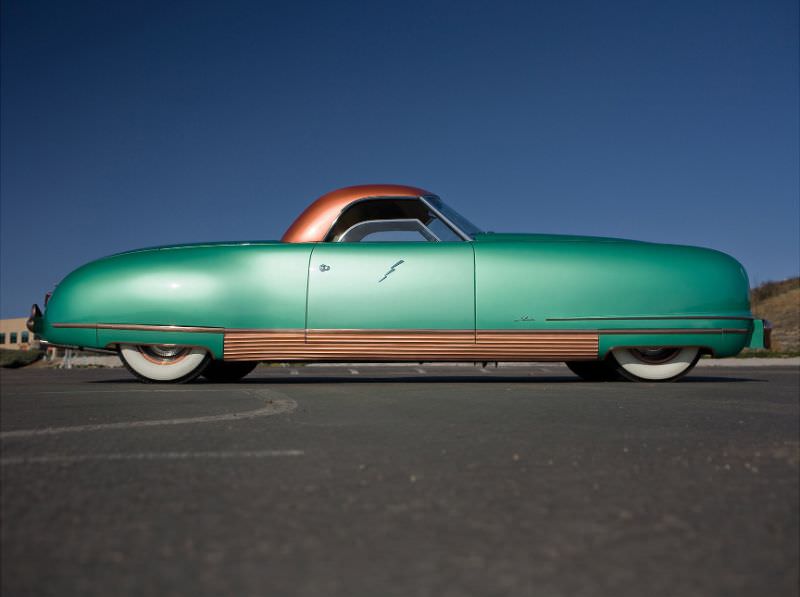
{"type": "Point", "coordinates": [164, 363]}
{"type": "Point", "coordinates": [656, 364]}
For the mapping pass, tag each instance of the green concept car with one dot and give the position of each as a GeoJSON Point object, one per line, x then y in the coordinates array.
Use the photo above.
{"type": "Point", "coordinates": [392, 273]}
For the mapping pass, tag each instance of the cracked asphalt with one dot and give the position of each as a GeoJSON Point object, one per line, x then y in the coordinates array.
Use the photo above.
{"type": "Point", "coordinates": [406, 481]}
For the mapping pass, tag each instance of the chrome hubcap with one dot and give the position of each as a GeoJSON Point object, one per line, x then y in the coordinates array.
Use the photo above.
{"type": "Point", "coordinates": [164, 353]}
{"type": "Point", "coordinates": [655, 355]}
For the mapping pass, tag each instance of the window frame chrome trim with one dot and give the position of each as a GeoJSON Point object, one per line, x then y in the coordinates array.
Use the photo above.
{"type": "Point", "coordinates": [423, 229]}
{"type": "Point", "coordinates": [464, 236]}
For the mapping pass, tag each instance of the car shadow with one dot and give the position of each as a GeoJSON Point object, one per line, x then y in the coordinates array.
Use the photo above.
{"type": "Point", "coordinates": [469, 379]}
{"type": "Point", "coordinates": [433, 379]}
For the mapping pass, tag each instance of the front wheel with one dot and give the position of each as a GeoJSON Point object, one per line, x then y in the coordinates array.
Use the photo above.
{"type": "Point", "coordinates": [656, 363]}
{"type": "Point", "coordinates": [164, 363]}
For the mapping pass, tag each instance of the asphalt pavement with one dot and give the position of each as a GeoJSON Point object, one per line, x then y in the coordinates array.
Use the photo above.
{"type": "Point", "coordinates": [400, 481]}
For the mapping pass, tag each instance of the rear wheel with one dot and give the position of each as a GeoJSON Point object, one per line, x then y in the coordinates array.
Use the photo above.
{"type": "Point", "coordinates": [225, 372]}
{"type": "Point", "coordinates": [656, 363]}
{"type": "Point", "coordinates": [595, 370]}
{"type": "Point", "coordinates": [164, 363]}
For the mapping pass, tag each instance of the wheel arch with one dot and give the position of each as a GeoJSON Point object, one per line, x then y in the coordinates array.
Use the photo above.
{"type": "Point", "coordinates": [718, 343]}
{"type": "Point", "coordinates": [704, 349]}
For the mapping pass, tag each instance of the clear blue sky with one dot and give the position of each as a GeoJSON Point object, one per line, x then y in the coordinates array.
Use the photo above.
{"type": "Point", "coordinates": [128, 124]}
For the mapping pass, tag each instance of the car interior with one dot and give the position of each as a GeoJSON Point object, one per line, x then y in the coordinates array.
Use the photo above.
{"type": "Point", "coordinates": [391, 220]}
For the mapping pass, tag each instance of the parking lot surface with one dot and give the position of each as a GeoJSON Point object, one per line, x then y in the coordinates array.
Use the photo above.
{"type": "Point", "coordinates": [407, 481]}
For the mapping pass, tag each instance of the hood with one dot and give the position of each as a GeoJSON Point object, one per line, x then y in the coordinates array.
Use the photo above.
{"type": "Point", "coordinates": [222, 243]}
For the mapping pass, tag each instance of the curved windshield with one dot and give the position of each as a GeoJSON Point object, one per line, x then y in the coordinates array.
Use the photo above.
{"type": "Point", "coordinates": [456, 218]}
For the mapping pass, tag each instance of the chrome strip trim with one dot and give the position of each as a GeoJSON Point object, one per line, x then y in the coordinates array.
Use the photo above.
{"type": "Point", "coordinates": [397, 331]}
{"type": "Point", "coordinates": [653, 318]}
{"type": "Point", "coordinates": [646, 332]}
{"type": "Point", "coordinates": [140, 328]}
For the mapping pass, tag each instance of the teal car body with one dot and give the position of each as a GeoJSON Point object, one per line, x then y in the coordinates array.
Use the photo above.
{"type": "Point", "coordinates": [473, 297]}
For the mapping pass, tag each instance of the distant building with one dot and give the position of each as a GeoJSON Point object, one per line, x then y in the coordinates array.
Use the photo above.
{"type": "Point", "coordinates": [14, 334]}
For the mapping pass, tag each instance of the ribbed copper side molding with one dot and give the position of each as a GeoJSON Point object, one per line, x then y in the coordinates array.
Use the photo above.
{"type": "Point", "coordinates": [411, 345]}
{"type": "Point", "coordinates": [264, 346]}
{"type": "Point", "coordinates": [140, 328]}
{"type": "Point", "coordinates": [538, 346]}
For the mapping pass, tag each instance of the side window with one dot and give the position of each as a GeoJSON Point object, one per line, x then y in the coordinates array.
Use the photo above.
{"type": "Point", "coordinates": [388, 230]}
{"type": "Point", "coordinates": [13, 337]}
{"type": "Point", "coordinates": [2, 337]}
{"type": "Point", "coordinates": [442, 230]}
{"type": "Point", "coordinates": [25, 337]}
{"type": "Point", "coordinates": [409, 209]}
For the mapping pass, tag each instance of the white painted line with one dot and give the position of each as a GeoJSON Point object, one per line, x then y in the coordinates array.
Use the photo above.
{"type": "Point", "coordinates": [420, 370]}
{"type": "Point", "coordinates": [63, 458]}
{"type": "Point", "coordinates": [294, 372]}
{"type": "Point", "coordinates": [750, 362]}
{"type": "Point", "coordinates": [277, 403]}
{"type": "Point", "coordinates": [140, 390]}
{"type": "Point", "coordinates": [353, 371]}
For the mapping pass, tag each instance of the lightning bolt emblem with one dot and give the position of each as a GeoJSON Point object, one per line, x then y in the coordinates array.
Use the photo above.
{"type": "Point", "coordinates": [391, 270]}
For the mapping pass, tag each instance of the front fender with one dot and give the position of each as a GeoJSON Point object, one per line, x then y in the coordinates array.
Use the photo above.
{"type": "Point", "coordinates": [239, 286]}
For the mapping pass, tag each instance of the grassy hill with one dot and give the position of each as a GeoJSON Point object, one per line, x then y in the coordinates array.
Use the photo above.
{"type": "Point", "coordinates": [780, 303]}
